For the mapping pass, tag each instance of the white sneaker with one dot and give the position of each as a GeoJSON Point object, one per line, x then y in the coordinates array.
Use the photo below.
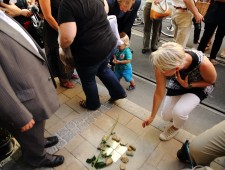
{"type": "Point", "coordinates": [168, 134]}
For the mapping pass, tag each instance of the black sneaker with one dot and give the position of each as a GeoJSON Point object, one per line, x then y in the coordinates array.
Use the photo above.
{"type": "Point", "coordinates": [184, 154]}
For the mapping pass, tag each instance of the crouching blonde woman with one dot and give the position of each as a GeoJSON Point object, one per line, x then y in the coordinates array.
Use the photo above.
{"type": "Point", "coordinates": [191, 77]}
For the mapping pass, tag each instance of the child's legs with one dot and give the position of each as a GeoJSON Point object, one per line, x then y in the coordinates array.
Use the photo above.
{"type": "Point", "coordinates": [118, 74]}
{"type": "Point", "coordinates": [127, 74]}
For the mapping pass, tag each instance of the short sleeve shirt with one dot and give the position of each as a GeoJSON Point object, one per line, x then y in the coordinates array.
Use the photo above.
{"type": "Point", "coordinates": [94, 39]}
{"type": "Point", "coordinates": [123, 55]}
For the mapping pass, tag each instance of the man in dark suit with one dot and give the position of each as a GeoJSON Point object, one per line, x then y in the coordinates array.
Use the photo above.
{"type": "Point", "coordinates": [27, 94]}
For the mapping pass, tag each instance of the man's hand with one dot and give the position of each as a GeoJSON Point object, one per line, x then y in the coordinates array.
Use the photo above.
{"type": "Point", "coordinates": [28, 126]}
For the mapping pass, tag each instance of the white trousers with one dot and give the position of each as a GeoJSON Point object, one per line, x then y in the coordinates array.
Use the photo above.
{"type": "Point", "coordinates": [178, 108]}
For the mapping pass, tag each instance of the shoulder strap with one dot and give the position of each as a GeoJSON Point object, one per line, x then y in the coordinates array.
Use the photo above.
{"type": "Point", "coordinates": [195, 61]}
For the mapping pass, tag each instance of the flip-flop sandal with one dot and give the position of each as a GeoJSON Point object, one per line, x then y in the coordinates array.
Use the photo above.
{"type": "Point", "coordinates": [207, 48]}
{"type": "Point", "coordinates": [83, 104]}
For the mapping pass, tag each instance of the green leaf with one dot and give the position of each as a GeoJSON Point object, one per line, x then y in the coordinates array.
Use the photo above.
{"type": "Point", "coordinates": [90, 160]}
{"type": "Point", "coordinates": [100, 165]}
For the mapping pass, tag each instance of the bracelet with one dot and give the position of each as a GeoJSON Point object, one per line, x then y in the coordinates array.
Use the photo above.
{"type": "Point", "coordinates": [189, 85]}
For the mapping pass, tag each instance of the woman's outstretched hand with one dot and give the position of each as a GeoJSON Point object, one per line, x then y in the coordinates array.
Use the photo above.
{"type": "Point", "coordinates": [147, 122]}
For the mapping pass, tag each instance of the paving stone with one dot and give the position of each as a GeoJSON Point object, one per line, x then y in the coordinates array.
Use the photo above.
{"type": "Point", "coordinates": [68, 136]}
{"type": "Point", "coordinates": [74, 91]}
{"type": "Point", "coordinates": [63, 111]}
{"type": "Point", "coordinates": [51, 121]}
{"type": "Point", "coordinates": [62, 98]}
{"type": "Point", "coordinates": [63, 131]}
{"type": "Point", "coordinates": [70, 125]}
{"type": "Point", "coordinates": [96, 114]}
{"type": "Point", "coordinates": [61, 144]}
{"type": "Point", "coordinates": [108, 105]}
{"type": "Point", "coordinates": [74, 143]}
{"type": "Point", "coordinates": [103, 109]}
{"type": "Point", "coordinates": [52, 150]}
{"type": "Point", "coordinates": [75, 131]}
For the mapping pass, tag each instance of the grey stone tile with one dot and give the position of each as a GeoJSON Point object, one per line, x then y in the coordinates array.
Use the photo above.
{"type": "Point", "coordinates": [70, 125]}
{"type": "Point", "coordinates": [69, 136]}
{"type": "Point", "coordinates": [52, 150]}
{"type": "Point", "coordinates": [61, 143]}
{"type": "Point", "coordinates": [62, 131]}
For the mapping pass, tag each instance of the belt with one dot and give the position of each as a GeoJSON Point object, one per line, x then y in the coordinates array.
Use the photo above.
{"type": "Point", "coordinates": [179, 8]}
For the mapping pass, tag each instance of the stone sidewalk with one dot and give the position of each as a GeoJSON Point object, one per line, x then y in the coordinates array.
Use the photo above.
{"type": "Point", "coordinates": [80, 131]}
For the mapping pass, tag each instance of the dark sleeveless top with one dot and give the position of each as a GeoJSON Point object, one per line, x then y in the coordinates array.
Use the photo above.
{"type": "Point", "coordinates": [193, 72]}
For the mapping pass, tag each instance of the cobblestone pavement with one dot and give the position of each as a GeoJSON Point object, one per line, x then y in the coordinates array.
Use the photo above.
{"type": "Point", "coordinates": [80, 132]}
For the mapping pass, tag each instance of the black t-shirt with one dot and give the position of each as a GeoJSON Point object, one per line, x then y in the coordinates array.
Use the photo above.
{"type": "Point", "coordinates": [94, 39]}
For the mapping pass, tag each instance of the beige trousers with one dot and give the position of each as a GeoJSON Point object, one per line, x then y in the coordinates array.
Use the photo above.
{"type": "Point", "coordinates": [209, 145]}
{"type": "Point", "coordinates": [183, 22]}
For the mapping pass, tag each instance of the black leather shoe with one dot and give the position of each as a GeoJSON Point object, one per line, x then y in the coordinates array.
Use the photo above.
{"type": "Point", "coordinates": [51, 141]}
{"type": "Point", "coordinates": [55, 161]}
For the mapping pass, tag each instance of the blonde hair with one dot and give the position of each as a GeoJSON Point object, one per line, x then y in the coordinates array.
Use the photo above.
{"type": "Point", "coordinates": [169, 56]}
{"type": "Point", "coordinates": [124, 37]}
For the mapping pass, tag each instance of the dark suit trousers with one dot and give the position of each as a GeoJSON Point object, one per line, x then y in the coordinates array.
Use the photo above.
{"type": "Point", "coordinates": [208, 33]}
{"type": "Point", "coordinates": [32, 143]}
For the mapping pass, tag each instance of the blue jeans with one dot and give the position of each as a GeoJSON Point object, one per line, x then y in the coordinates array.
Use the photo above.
{"type": "Point", "coordinates": [87, 76]}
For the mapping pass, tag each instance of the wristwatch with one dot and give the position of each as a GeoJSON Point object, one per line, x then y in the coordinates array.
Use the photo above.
{"type": "Point", "coordinates": [189, 85]}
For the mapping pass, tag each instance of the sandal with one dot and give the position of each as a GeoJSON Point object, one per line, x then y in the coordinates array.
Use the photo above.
{"type": "Point", "coordinates": [67, 84]}
{"type": "Point", "coordinates": [213, 61]}
{"type": "Point", "coordinates": [82, 103]}
{"type": "Point", "coordinates": [130, 88]}
{"type": "Point", "coordinates": [207, 47]}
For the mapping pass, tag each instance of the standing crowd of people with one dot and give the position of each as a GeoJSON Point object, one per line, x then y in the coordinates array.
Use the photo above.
{"type": "Point", "coordinates": [83, 27]}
